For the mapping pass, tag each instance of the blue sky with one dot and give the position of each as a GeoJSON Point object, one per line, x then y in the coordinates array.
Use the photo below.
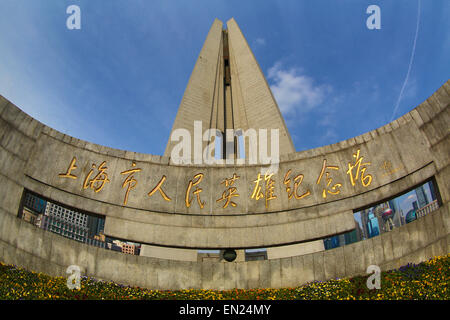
{"type": "Point", "coordinates": [119, 80]}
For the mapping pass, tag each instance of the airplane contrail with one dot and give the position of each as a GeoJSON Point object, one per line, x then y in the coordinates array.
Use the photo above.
{"type": "Point", "coordinates": [410, 64]}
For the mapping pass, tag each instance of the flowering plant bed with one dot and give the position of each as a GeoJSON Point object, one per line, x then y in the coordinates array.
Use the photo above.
{"type": "Point", "coordinates": [427, 280]}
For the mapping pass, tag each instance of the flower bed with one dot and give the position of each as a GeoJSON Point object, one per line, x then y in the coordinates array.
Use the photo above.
{"type": "Point", "coordinates": [427, 280]}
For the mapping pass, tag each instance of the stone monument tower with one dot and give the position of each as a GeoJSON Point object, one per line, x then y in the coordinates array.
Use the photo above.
{"type": "Point", "coordinates": [227, 90]}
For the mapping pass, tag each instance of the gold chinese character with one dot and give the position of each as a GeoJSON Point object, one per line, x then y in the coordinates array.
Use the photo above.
{"type": "Point", "coordinates": [68, 173]}
{"type": "Point", "coordinates": [388, 169]}
{"type": "Point", "coordinates": [297, 181]}
{"type": "Point", "coordinates": [197, 191]}
{"type": "Point", "coordinates": [130, 181]}
{"type": "Point", "coordinates": [99, 180]}
{"type": "Point", "coordinates": [230, 192]}
{"type": "Point", "coordinates": [269, 188]}
{"type": "Point", "coordinates": [159, 188]}
{"type": "Point", "coordinates": [335, 188]}
{"type": "Point", "coordinates": [365, 180]}
{"type": "Point", "coordinates": [387, 166]}
{"type": "Point", "coordinates": [257, 194]}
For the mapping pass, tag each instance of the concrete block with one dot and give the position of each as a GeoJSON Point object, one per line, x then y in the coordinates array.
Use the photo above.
{"type": "Point", "coordinates": [54, 269]}
{"type": "Point", "coordinates": [297, 269]}
{"type": "Point", "coordinates": [386, 241]}
{"type": "Point", "coordinates": [253, 280]}
{"type": "Point", "coordinates": [429, 252]}
{"type": "Point", "coordinates": [416, 117]}
{"type": "Point", "coordinates": [218, 275]}
{"type": "Point", "coordinates": [329, 262]}
{"type": "Point", "coordinates": [151, 271]}
{"type": "Point", "coordinates": [264, 274]}
{"type": "Point", "coordinates": [109, 264]}
{"type": "Point", "coordinates": [63, 251]}
{"type": "Point", "coordinates": [183, 278]}
{"type": "Point", "coordinates": [308, 268]}
{"type": "Point", "coordinates": [168, 253]}
{"type": "Point", "coordinates": [23, 259]}
{"type": "Point", "coordinates": [442, 245]}
{"type": "Point", "coordinates": [241, 272]}
{"type": "Point", "coordinates": [439, 228]}
{"type": "Point", "coordinates": [397, 243]}
{"type": "Point", "coordinates": [11, 166]}
{"type": "Point", "coordinates": [196, 281]}
{"type": "Point", "coordinates": [10, 195]}
{"type": "Point", "coordinates": [429, 229]}
{"type": "Point", "coordinates": [354, 258]}
{"type": "Point", "coordinates": [287, 273]}
{"type": "Point", "coordinates": [2, 245]}
{"type": "Point", "coordinates": [368, 252]}
{"type": "Point", "coordinates": [448, 242]}
{"type": "Point", "coordinates": [295, 249]}
{"type": "Point", "coordinates": [426, 111]}
{"type": "Point", "coordinates": [229, 278]}
{"type": "Point", "coordinates": [340, 262]}
{"type": "Point", "coordinates": [378, 251]}
{"type": "Point", "coordinates": [319, 269]}
{"type": "Point", "coordinates": [10, 113]}
{"type": "Point", "coordinates": [87, 259]}
{"type": "Point", "coordinates": [35, 264]}
{"type": "Point", "coordinates": [28, 238]}
{"type": "Point", "coordinates": [133, 274]}
{"type": "Point", "coordinates": [405, 241]}
{"type": "Point", "coordinates": [8, 253]}
{"type": "Point", "coordinates": [3, 103]}
{"type": "Point", "coordinates": [9, 229]}
{"type": "Point", "coordinates": [275, 273]}
{"type": "Point", "coordinates": [414, 240]}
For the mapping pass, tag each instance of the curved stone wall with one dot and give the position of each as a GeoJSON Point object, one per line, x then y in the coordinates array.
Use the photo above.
{"type": "Point", "coordinates": [396, 157]}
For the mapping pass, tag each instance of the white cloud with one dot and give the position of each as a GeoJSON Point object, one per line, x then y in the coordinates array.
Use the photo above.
{"type": "Point", "coordinates": [295, 91]}
{"type": "Point", "coordinates": [260, 41]}
{"type": "Point", "coordinates": [329, 136]}
{"type": "Point", "coordinates": [412, 197]}
{"type": "Point", "coordinates": [406, 204]}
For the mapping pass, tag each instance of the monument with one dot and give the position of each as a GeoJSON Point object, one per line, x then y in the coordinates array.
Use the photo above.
{"type": "Point", "coordinates": [228, 91]}
{"type": "Point", "coordinates": [175, 208]}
